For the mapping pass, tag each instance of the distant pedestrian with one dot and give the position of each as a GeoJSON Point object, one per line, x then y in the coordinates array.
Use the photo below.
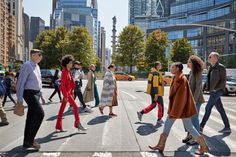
{"type": "Point", "coordinates": [155, 88]}
{"type": "Point", "coordinates": [78, 74]}
{"type": "Point", "coordinates": [90, 91]}
{"type": "Point", "coordinates": [181, 106]}
{"type": "Point", "coordinates": [29, 88]}
{"type": "Point", "coordinates": [67, 87]}
{"type": "Point", "coordinates": [216, 81]}
{"type": "Point", "coordinates": [8, 84]}
{"type": "Point", "coordinates": [2, 111]}
{"type": "Point", "coordinates": [109, 91]}
{"type": "Point", "coordinates": [56, 84]}
{"type": "Point", "coordinates": [196, 65]}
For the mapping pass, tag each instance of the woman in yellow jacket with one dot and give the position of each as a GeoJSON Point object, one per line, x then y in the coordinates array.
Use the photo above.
{"type": "Point", "coordinates": [155, 88]}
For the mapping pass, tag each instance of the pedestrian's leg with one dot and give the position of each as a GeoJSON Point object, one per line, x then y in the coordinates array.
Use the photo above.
{"type": "Point", "coordinates": [96, 95]}
{"type": "Point", "coordinates": [58, 92]}
{"type": "Point", "coordinates": [188, 125]}
{"type": "Point", "coordinates": [10, 96]}
{"type": "Point", "coordinates": [221, 110]}
{"type": "Point", "coordinates": [149, 108]}
{"type": "Point", "coordinates": [35, 116]}
{"type": "Point", "coordinates": [60, 114]}
{"type": "Point", "coordinates": [160, 107]}
{"type": "Point", "coordinates": [75, 109]}
{"type": "Point", "coordinates": [195, 118]}
{"type": "Point", "coordinates": [81, 99]}
{"type": "Point", "coordinates": [4, 99]}
{"type": "Point", "coordinates": [168, 125]}
{"type": "Point", "coordinates": [52, 95]}
{"type": "Point", "coordinates": [211, 102]}
{"type": "Point", "coordinates": [2, 114]}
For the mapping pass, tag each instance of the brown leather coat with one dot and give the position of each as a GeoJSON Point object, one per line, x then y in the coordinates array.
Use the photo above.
{"type": "Point", "coordinates": [181, 101]}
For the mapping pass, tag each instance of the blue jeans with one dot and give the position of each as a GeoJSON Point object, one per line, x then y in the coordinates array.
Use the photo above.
{"type": "Point", "coordinates": [195, 119]}
{"type": "Point", "coordinates": [187, 125]}
{"type": "Point", "coordinates": [215, 100]}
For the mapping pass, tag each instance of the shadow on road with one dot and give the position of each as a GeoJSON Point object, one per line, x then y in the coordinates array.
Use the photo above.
{"type": "Point", "coordinates": [218, 146]}
{"type": "Point", "coordinates": [98, 120]}
{"type": "Point", "coordinates": [18, 151]}
{"type": "Point", "coordinates": [53, 136]}
{"type": "Point", "coordinates": [147, 128]}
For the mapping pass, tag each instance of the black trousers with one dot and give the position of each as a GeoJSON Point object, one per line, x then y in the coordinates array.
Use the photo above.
{"type": "Point", "coordinates": [56, 90]}
{"type": "Point", "coordinates": [78, 92]}
{"type": "Point", "coordinates": [34, 116]}
{"type": "Point", "coordinates": [7, 94]}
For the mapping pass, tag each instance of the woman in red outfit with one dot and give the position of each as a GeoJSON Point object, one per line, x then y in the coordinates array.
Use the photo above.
{"type": "Point", "coordinates": [67, 87]}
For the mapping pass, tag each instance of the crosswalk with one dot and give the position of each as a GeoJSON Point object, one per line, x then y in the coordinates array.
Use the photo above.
{"type": "Point", "coordinates": [122, 136]}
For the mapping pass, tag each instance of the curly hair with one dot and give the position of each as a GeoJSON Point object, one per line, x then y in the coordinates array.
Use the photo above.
{"type": "Point", "coordinates": [197, 64]}
{"type": "Point", "coordinates": [66, 60]}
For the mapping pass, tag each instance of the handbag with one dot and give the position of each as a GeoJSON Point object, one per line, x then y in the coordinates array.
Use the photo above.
{"type": "Point", "coordinates": [19, 110]}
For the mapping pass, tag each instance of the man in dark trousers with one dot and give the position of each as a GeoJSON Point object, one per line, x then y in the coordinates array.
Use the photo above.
{"type": "Point", "coordinates": [29, 88]}
{"type": "Point", "coordinates": [78, 75]}
{"type": "Point", "coordinates": [8, 83]}
{"type": "Point", "coordinates": [215, 84]}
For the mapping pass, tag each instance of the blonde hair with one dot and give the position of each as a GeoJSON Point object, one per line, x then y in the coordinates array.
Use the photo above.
{"type": "Point", "coordinates": [91, 66]}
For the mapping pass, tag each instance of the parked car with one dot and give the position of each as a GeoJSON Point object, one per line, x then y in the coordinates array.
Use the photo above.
{"type": "Point", "coordinates": [230, 87]}
{"type": "Point", "coordinates": [47, 75]}
{"type": "Point", "coordinates": [123, 76]}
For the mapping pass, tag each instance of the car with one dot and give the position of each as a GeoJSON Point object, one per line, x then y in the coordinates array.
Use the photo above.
{"type": "Point", "coordinates": [230, 87]}
{"type": "Point", "coordinates": [167, 80]}
{"type": "Point", "coordinates": [47, 76]}
{"type": "Point", "coordinates": [123, 76]}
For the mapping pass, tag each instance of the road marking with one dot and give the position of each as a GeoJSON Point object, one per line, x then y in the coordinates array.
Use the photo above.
{"type": "Point", "coordinates": [51, 154]}
{"type": "Point", "coordinates": [148, 154]}
{"type": "Point", "coordinates": [129, 95]}
{"type": "Point", "coordinates": [102, 154]}
{"type": "Point", "coordinates": [12, 144]}
{"type": "Point", "coordinates": [105, 138]}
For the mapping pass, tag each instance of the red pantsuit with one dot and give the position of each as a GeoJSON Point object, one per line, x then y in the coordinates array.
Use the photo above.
{"type": "Point", "coordinates": [67, 87]}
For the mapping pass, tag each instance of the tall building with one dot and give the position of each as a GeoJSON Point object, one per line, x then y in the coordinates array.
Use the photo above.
{"type": "Point", "coordinates": [216, 13]}
{"type": "Point", "coordinates": [17, 11]}
{"type": "Point", "coordinates": [197, 20]}
{"type": "Point", "coordinates": [74, 13]}
{"type": "Point", "coordinates": [26, 31]}
{"type": "Point", "coordinates": [7, 34]}
{"type": "Point", "coordinates": [37, 25]}
{"type": "Point", "coordinates": [103, 48]}
{"type": "Point", "coordinates": [98, 54]}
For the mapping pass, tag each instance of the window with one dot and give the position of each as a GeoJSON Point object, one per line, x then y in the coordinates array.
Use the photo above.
{"type": "Point", "coordinates": [175, 34]}
{"type": "Point", "coordinates": [194, 32]}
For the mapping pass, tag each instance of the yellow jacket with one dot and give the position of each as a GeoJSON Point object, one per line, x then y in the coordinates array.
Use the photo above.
{"type": "Point", "coordinates": [155, 83]}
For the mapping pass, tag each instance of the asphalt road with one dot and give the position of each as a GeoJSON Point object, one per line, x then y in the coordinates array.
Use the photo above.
{"type": "Point", "coordinates": [115, 137]}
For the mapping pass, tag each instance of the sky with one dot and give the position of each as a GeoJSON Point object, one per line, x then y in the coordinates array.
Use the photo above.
{"type": "Point", "coordinates": [106, 10]}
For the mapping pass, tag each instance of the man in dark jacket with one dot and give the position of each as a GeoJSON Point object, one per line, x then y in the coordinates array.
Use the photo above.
{"type": "Point", "coordinates": [215, 84]}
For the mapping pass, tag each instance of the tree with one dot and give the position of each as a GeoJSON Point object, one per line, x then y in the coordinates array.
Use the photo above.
{"type": "Point", "coordinates": [156, 45]}
{"type": "Point", "coordinates": [130, 47]}
{"type": "Point", "coordinates": [181, 51]}
{"type": "Point", "coordinates": [81, 46]}
{"type": "Point", "coordinates": [50, 41]}
{"type": "Point", "coordinates": [56, 43]}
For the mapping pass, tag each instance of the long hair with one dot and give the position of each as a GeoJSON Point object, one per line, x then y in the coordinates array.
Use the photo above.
{"type": "Point", "coordinates": [197, 64]}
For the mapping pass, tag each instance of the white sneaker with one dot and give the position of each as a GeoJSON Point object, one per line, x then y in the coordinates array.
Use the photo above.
{"type": "Point", "coordinates": [87, 109]}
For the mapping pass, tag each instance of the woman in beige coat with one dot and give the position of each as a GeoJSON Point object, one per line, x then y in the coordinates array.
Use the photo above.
{"type": "Point", "coordinates": [89, 89]}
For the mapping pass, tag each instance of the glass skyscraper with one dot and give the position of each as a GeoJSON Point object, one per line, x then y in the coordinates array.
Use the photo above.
{"type": "Point", "coordinates": [74, 13]}
{"type": "Point", "coordinates": [189, 19]}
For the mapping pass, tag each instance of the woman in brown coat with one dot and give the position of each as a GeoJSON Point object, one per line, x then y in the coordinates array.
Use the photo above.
{"type": "Point", "coordinates": [181, 106]}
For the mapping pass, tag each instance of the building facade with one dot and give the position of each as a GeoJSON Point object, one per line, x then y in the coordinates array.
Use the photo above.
{"type": "Point", "coordinates": [209, 25]}
{"type": "Point", "coordinates": [26, 36]}
{"type": "Point", "coordinates": [37, 25]}
{"type": "Point", "coordinates": [75, 13]}
{"type": "Point", "coordinates": [103, 48]}
{"type": "Point", "coordinates": [7, 34]}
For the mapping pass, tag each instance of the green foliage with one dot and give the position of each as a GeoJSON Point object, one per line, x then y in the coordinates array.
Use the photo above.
{"type": "Point", "coordinates": [156, 45]}
{"type": "Point", "coordinates": [181, 51]}
{"type": "Point", "coordinates": [56, 43]}
{"type": "Point", "coordinates": [130, 47]}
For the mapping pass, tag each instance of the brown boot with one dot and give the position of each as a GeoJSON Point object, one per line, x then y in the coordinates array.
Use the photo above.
{"type": "Point", "coordinates": [161, 144]}
{"type": "Point", "coordinates": [203, 146]}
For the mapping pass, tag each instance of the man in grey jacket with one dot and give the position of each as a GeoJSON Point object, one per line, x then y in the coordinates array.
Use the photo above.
{"type": "Point", "coordinates": [216, 81]}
